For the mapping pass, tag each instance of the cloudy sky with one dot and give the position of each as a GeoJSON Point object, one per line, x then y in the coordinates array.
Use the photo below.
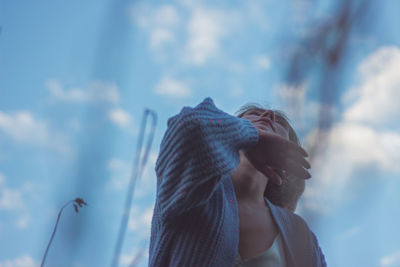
{"type": "Point", "coordinates": [76, 76]}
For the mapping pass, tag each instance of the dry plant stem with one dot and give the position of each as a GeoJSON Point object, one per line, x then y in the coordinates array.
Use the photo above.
{"type": "Point", "coordinates": [54, 232]}
{"type": "Point", "coordinates": [78, 202]}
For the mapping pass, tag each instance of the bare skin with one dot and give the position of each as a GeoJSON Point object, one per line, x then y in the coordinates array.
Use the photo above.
{"type": "Point", "coordinates": [257, 229]}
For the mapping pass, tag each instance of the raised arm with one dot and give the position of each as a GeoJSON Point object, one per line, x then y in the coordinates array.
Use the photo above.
{"type": "Point", "coordinates": [200, 145]}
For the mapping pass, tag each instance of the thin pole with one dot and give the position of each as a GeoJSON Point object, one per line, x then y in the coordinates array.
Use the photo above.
{"type": "Point", "coordinates": [136, 173]}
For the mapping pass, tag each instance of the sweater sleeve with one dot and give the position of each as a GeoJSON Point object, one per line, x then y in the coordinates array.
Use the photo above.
{"type": "Point", "coordinates": [320, 255]}
{"type": "Point", "coordinates": [200, 145]}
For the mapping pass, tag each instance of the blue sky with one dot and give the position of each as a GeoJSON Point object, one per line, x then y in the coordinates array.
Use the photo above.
{"type": "Point", "coordinates": [76, 76]}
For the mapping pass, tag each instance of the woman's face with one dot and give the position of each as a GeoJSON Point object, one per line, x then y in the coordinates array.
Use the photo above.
{"type": "Point", "coordinates": [287, 195]}
{"type": "Point", "coordinates": [268, 121]}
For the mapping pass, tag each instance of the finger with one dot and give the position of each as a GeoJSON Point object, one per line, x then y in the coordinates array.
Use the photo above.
{"type": "Point", "coordinates": [272, 175]}
{"type": "Point", "coordinates": [297, 153]}
{"type": "Point", "coordinates": [282, 158]}
{"type": "Point", "coordinates": [295, 147]}
{"type": "Point", "coordinates": [296, 169]}
{"type": "Point", "coordinates": [299, 159]}
{"type": "Point", "coordinates": [286, 145]}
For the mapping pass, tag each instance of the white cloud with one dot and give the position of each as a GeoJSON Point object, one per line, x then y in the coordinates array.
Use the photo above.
{"type": "Point", "coordinates": [97, 91]}
{"type": "Point", "coordinates": [200, 34]}
{"type": "Point", "coordinates": [140, 221]}
{"type": "Point", "coordinates": [120, 173]}
{"type": "Point", "coordinates": [104, 91]}
{"type": "Point", "coordinates": [14, 200]}
{"type": "Point", "coordinates": [172, 88]}
{"type": "Point", "coordinates": [165, 15]}
{"type": "Point", "coordinates": [237, 67]}
{"type": "Point", "coordinates": [23, 127]}
{"type": "Point", "coordinates": [134, 258]}
{"type": "Point", "coordinates": [206, 29]}
{"type": "Point", "coordinates": [262, 62]}
{"type": "Point", "coordinates": [348, 146]}
{"type": "Point", "coordinates": [255, 12]}
{"type": "Point", "coordinates": [391, 259]}
{"type": "Point", "coordinates": [362, 145]}
{"type": "Point", "coordinates": [356, 141]}
{"type": "Point", "coordinates": [74, 125]}
{"type": "Point", "coordinates": [116, 164]}
{"type": "Point", "coordinates": [160, 36]}
{"type": "Point", "coordinates": [236, 91]}
{"type": "Point", "coordinates": [58, 92]}
{"type": "Point", "coordinates": [376, 99]}
{"type": "Point", "coordinates": [23, 222]}
{"type": "Point", "coordinates": [119, 117]}
{"type": "Point", "coordinates": [22, 261]}
{"type": "Point", "coordinates": [353, 231]}
{"type": "Point", "coordinates": [11, 199]}
{"type": "Point", "coordinates": [292, 98]}
{"type": "Point", "coordinates": [302, 10]}
{"type": "Point", "coordinates": [292, 93]}
{"type": "Point", "coordinates": [147, 184]}
{"type": "Point", "coordinates": [159, 22]}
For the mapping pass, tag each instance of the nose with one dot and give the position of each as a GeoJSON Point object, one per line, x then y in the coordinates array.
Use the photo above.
{"type": "Point", "coordinates": [269, 114]}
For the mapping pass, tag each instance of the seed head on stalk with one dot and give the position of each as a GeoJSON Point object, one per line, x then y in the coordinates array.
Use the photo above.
{"type": "Point", "coordinates": [77, 203]}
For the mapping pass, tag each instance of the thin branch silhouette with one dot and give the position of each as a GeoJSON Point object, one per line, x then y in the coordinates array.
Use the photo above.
{"type": "Point", "coordinates": [137, 257]}
{"type": "Point", "coordinates": [136, 174]}
{"type": "Point", "coordinates": [139, 254]}
{"type": "Point", "coordinates": [321, 53]}
{"type": "Point", "coordinates": [76, 202]}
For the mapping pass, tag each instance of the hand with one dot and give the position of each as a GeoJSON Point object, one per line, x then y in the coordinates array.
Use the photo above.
{"type": "Point", "coordinates": [274, 153]}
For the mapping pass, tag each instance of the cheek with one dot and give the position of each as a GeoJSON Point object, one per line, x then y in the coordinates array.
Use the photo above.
{"type": "Point", "coordinates": [282, 132]}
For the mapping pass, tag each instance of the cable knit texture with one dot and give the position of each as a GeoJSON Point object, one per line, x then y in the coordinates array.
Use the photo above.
{"type": "Point", "coordinates": [195, 221]}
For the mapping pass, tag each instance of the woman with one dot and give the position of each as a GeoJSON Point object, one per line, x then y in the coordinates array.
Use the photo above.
{"type": "Point", "coordinates": [210, 210]}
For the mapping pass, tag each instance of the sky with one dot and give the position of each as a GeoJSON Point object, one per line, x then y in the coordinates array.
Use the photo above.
{"type": "Point", "coordinates": [76, 76]}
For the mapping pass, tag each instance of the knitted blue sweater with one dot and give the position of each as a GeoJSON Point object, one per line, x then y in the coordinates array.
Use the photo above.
{"type": "Point", "coordinates": [195, 220]}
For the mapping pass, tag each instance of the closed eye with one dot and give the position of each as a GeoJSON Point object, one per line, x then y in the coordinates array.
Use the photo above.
{"type": "Point", "coordinates": [253, 112]}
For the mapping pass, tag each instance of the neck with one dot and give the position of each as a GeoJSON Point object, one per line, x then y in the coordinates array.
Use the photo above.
{"type": "Point", "coordinates": [249, 183]}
